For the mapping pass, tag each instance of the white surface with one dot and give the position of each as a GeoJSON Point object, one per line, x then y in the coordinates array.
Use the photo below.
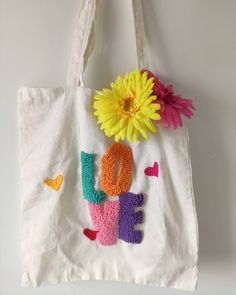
{"type": "Point", "coordinates": [194, 47]}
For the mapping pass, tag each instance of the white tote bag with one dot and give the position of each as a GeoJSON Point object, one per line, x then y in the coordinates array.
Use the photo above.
{"type": "Point", "coordinates": [94, 209]}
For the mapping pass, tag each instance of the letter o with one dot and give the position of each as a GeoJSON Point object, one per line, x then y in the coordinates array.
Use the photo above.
{"type": "Point", "coordinates": [116, 177]}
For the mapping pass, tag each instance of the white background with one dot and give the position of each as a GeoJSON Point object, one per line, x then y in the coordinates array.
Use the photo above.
{"type": "Point", "coordinates": [193, 46]}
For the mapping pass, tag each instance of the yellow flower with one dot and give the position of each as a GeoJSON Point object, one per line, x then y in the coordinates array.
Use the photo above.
{"type": "Point", "coordinates": [127, 109]}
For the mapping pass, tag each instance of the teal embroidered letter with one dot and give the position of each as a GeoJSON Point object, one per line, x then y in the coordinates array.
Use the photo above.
{"type": "Point", "coordinates": [89, 193]}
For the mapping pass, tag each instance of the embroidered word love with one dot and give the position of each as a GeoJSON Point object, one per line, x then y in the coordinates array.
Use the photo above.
{"type": "Point", "coordinates": [112, 219]}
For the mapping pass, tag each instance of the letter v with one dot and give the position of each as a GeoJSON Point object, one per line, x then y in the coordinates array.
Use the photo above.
{"type": "Point", "coordinates": [105, 219]}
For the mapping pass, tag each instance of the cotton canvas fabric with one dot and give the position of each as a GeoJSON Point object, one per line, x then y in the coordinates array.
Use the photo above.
{"type": "Point", "coordinates": [56, 125]}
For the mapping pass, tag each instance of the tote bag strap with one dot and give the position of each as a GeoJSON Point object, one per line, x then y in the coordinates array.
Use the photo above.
{"type": "Point", "coordinates": [84, 40]}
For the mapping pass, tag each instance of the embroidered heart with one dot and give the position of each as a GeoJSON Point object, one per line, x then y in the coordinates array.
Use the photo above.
{"type": "Point", "coordinates": [91, 234]}
{"type": "Point", "coordinates": [54, 183]}
{"type": "Point", "coordinates": [152, 171]}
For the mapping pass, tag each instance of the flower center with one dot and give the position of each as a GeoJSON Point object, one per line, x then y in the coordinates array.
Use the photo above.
{"type": "Point", "coordinates": [128, 104]}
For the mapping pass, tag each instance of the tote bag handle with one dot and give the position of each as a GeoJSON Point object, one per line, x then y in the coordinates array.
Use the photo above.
{"type": "Point", "coordinates": [84, 40]}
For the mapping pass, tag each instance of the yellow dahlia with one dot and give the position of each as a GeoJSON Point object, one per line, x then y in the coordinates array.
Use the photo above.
{"type": "Point", "coordinates": [127, 109]}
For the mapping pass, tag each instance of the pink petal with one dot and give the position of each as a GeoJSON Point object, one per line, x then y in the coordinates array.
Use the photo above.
{"type": "Point", "coordinates": [183, 101]}
{"type": "Point", "coordinates": [165, 120]}
{"type": "Point", "coordinates": [175, 118]}
{"type": "Point", "coordinates": [169, 115]}
{"type": "Point", "coordinates": [172, 106]}
{"type": "Point", "coordinates": [187, 112]}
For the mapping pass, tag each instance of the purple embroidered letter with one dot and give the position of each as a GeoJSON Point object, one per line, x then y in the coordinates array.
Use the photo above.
{"type": "Point", "coordinates": [128, 218]}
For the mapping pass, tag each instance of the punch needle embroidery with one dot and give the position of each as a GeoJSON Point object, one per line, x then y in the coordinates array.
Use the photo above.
{"type": "Point", "coordinates": [90, 194]}
{"type": "Point", "coordinates": [116, 169]}
{"type": "Point", "coordinates": [112, 219]}
{"type": "Point", "coordinates": [152, 171]}
{"type": "Point", "coordinates": [54, 183]}
{"type": "Point", "coordinates": [91, 234]}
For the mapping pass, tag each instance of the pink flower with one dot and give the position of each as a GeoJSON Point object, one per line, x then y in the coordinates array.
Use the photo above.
{"type": "Point", "coordinates": [173, 107]}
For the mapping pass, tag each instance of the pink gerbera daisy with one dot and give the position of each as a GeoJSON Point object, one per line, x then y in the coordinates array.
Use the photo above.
{"type": "Point", "coordinates": [172, 106]}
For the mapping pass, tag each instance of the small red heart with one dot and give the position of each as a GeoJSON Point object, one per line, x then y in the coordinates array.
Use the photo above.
{"type": "Point", "coordinates": [91, 234]}
{"type": "Point", "coordinates": [152, 171]}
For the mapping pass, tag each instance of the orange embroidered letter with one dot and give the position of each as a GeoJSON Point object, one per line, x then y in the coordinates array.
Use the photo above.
{"type": "Point", "coordinates": [116, 169]}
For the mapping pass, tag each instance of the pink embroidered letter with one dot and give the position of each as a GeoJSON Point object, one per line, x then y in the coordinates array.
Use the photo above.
{"type": "Point", "coordinates": [105, 218]}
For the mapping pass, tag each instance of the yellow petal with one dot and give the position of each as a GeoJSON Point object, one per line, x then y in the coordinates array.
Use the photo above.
{"type": "Point", "coordinates": [155, 116]}
{"type": "Point", "coordinates": [141, 128]}
{"type": "Point", "coordinates": [130, 131]}
{"type": "Point", "coordinates": [150, 126]}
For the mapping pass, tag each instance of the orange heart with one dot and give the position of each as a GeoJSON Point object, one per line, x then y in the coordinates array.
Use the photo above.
{"type": "Point", "coordinates": [54, 183]}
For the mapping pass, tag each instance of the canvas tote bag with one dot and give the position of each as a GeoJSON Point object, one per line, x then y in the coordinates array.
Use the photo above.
{"type": "Point", "coordinates": [93, 207]}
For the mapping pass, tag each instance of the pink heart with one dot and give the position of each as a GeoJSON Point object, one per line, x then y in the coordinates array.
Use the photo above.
{"type": "Point", "coordinates": [152, 171]}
